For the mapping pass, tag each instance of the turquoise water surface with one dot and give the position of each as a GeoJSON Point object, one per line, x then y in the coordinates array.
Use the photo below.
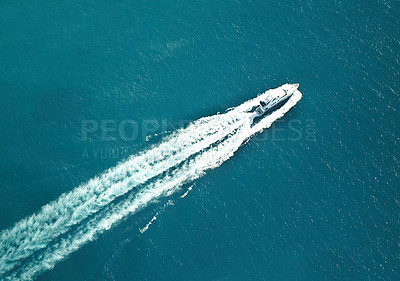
{"type": "Point", "coordinates": [85, 84]}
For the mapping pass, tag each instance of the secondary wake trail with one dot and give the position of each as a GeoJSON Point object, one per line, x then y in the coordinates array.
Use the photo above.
{"type": "Point", "coordinates": [39, 242]}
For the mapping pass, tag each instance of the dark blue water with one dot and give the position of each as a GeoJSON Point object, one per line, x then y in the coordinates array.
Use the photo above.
{"type": "Point", "coordinates": [315, 197]}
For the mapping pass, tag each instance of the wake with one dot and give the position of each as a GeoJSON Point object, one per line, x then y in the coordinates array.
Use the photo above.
{"type": "Point", "coordinates": [39, 242]}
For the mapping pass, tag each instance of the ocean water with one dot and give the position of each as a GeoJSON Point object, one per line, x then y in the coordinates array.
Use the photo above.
{"type": "Point", "coordinates": [313, 197]}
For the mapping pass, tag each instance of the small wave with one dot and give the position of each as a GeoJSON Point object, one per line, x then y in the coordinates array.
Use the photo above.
{"type": "Point", "coordinates": [144, 229]}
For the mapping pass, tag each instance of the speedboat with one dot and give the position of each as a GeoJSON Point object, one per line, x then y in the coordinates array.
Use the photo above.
{"type": "Point", "coordinates": [272, 102]}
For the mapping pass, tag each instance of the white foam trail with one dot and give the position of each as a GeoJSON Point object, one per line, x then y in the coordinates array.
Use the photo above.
{"type": "Point", "coordinates": [192, 169]}
{"type": "Point", "coordinates": [55, 218]}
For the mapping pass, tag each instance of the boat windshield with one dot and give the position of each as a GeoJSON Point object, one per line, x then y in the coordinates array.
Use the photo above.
{"type": "Point", "coordinates": [259, 110]}
{"type": "Point", "coordinates": [262, 103]}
